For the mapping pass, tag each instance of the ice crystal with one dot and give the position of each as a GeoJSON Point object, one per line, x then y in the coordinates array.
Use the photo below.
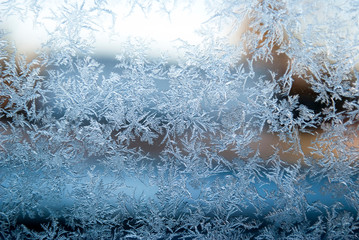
{"type": "Point", "coordinates": [243, 128]}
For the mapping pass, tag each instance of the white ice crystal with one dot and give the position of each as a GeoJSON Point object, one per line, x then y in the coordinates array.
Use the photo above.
{"type": "Point", "coordinates": [157, 119]}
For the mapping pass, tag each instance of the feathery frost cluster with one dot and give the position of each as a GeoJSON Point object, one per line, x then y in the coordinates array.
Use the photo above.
{"type": "Point", "coordinates": [171, 142]}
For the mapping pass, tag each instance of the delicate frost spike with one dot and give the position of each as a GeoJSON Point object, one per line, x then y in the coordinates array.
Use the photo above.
{"type": "Point", "coordinates": [179, 119]}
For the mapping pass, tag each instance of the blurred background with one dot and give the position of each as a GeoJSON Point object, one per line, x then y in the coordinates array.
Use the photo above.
{"type": "Point", "coordinates": [162, 31]}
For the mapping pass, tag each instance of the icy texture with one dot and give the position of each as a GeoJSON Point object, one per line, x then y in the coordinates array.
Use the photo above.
{"type": "Point", "coordinates": [147, 145]}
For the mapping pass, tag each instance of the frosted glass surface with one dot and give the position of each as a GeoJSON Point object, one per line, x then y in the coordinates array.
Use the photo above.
{"type": "Point", "coordinates": [165, 119]}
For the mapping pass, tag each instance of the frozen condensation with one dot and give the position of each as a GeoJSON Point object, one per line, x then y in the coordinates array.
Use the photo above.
{"type": "Point", "coordinates": [165, 119]}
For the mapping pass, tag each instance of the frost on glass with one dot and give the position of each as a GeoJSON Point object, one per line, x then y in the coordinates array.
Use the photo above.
{"type": "Point", "coordinates": [118, 122]}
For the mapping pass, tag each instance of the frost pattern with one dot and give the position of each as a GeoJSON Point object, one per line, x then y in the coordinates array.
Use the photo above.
{"type": "Point", "coordinates": [145, 146]}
